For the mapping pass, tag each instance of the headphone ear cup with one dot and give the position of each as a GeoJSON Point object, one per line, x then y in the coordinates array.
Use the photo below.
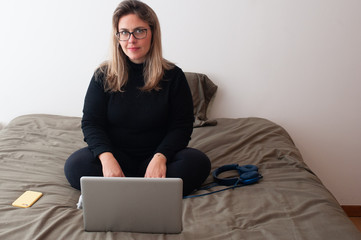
{"type": "Point", "coordinates": [249, 175]}
{"type": "Point", "coordinates": [248, 168]}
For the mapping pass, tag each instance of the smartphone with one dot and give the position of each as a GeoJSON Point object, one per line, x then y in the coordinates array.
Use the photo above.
{"type": "Point", "coordinates": [27, 199]}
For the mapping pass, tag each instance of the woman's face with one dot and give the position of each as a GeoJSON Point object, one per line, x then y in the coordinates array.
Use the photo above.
{"type": "Point", "coordinates": [135, 49]}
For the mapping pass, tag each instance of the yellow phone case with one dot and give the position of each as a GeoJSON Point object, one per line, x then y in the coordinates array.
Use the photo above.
{"type": "Point", "coordinates": [27, 199]}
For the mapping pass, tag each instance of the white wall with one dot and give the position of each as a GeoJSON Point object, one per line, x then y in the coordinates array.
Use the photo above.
{"type": "Point", "coordinates": [297, 63]}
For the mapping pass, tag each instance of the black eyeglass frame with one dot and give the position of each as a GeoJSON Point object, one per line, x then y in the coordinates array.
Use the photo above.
{"type": "Point", "coordinates": [132, 33]}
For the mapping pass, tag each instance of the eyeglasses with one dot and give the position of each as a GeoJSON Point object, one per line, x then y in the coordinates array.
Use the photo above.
{"type": "Point", "coordinates": [139, 33]}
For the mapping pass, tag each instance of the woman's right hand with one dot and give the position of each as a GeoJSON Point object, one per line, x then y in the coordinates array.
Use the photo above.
{"type": "Point", "coordinates": [111, 167]}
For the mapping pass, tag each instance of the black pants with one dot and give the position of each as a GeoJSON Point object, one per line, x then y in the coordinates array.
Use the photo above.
{"type": "Point", "coordinates": [191, 165]}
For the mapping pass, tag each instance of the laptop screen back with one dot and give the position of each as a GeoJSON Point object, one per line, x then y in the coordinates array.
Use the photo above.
{"type": "Point", "coordinates": [149, 205]}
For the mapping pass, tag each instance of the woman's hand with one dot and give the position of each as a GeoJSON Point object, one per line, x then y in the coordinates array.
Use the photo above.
{"type": "Point", "coordinates": [111, 167]}
{"type": "Point", "coordinates": [157, 167]}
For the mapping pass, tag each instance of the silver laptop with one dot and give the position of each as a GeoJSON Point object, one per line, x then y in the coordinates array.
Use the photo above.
{"type": "Point", "coordinates": [148, 205]}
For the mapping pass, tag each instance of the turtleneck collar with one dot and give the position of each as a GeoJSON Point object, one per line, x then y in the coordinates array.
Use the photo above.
{"type": "Point", "coordinates": [135, 75]}
{"type": "Point", "coordinates": [135, 66]}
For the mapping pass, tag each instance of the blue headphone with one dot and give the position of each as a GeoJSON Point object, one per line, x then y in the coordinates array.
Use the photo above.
{"type": "Point", "coordinates": [248, 174]}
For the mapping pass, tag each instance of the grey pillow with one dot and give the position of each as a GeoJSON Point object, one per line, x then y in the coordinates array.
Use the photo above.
{"type": "Point", "coordinates": [203, 90]}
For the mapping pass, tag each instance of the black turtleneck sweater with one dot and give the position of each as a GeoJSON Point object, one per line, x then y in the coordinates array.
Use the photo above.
{"type": "Point", "coordinates": [137, 123]}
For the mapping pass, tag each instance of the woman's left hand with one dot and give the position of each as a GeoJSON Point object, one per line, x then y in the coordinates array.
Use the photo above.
{"type": "Point", "coordinates": [157, 167]}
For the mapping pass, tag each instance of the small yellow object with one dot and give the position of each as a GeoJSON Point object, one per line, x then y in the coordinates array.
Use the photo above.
{"type": "Point", "coordinates": [27, 199]}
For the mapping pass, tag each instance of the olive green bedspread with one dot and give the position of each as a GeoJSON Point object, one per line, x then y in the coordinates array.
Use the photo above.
{"type": "Point", "coordinates": [289, 202]}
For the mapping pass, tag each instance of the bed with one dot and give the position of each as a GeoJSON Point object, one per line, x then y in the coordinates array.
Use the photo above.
{"type": "Point", "coordinates": [290, 202]}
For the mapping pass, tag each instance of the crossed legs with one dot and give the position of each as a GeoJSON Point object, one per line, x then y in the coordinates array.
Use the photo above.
{"type": "Point", "coordinates": [189, 164]}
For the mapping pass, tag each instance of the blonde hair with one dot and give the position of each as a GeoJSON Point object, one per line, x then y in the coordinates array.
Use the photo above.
{"type": "Point", "coordinates": [154, 66]}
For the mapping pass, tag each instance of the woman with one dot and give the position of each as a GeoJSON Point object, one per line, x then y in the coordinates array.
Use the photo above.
{"type": "Point", "coordinates": [138, 110]}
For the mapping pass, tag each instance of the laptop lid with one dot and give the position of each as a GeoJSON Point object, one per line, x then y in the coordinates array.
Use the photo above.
{"type": "Point", "coordinates": [149, 205]}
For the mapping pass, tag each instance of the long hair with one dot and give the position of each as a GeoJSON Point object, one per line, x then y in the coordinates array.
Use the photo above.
{"type": "Point", "coordinates": [154, 66]}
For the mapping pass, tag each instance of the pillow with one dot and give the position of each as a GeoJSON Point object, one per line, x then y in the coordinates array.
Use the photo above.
{"type": "Point", "coordinates": [203, 90]}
